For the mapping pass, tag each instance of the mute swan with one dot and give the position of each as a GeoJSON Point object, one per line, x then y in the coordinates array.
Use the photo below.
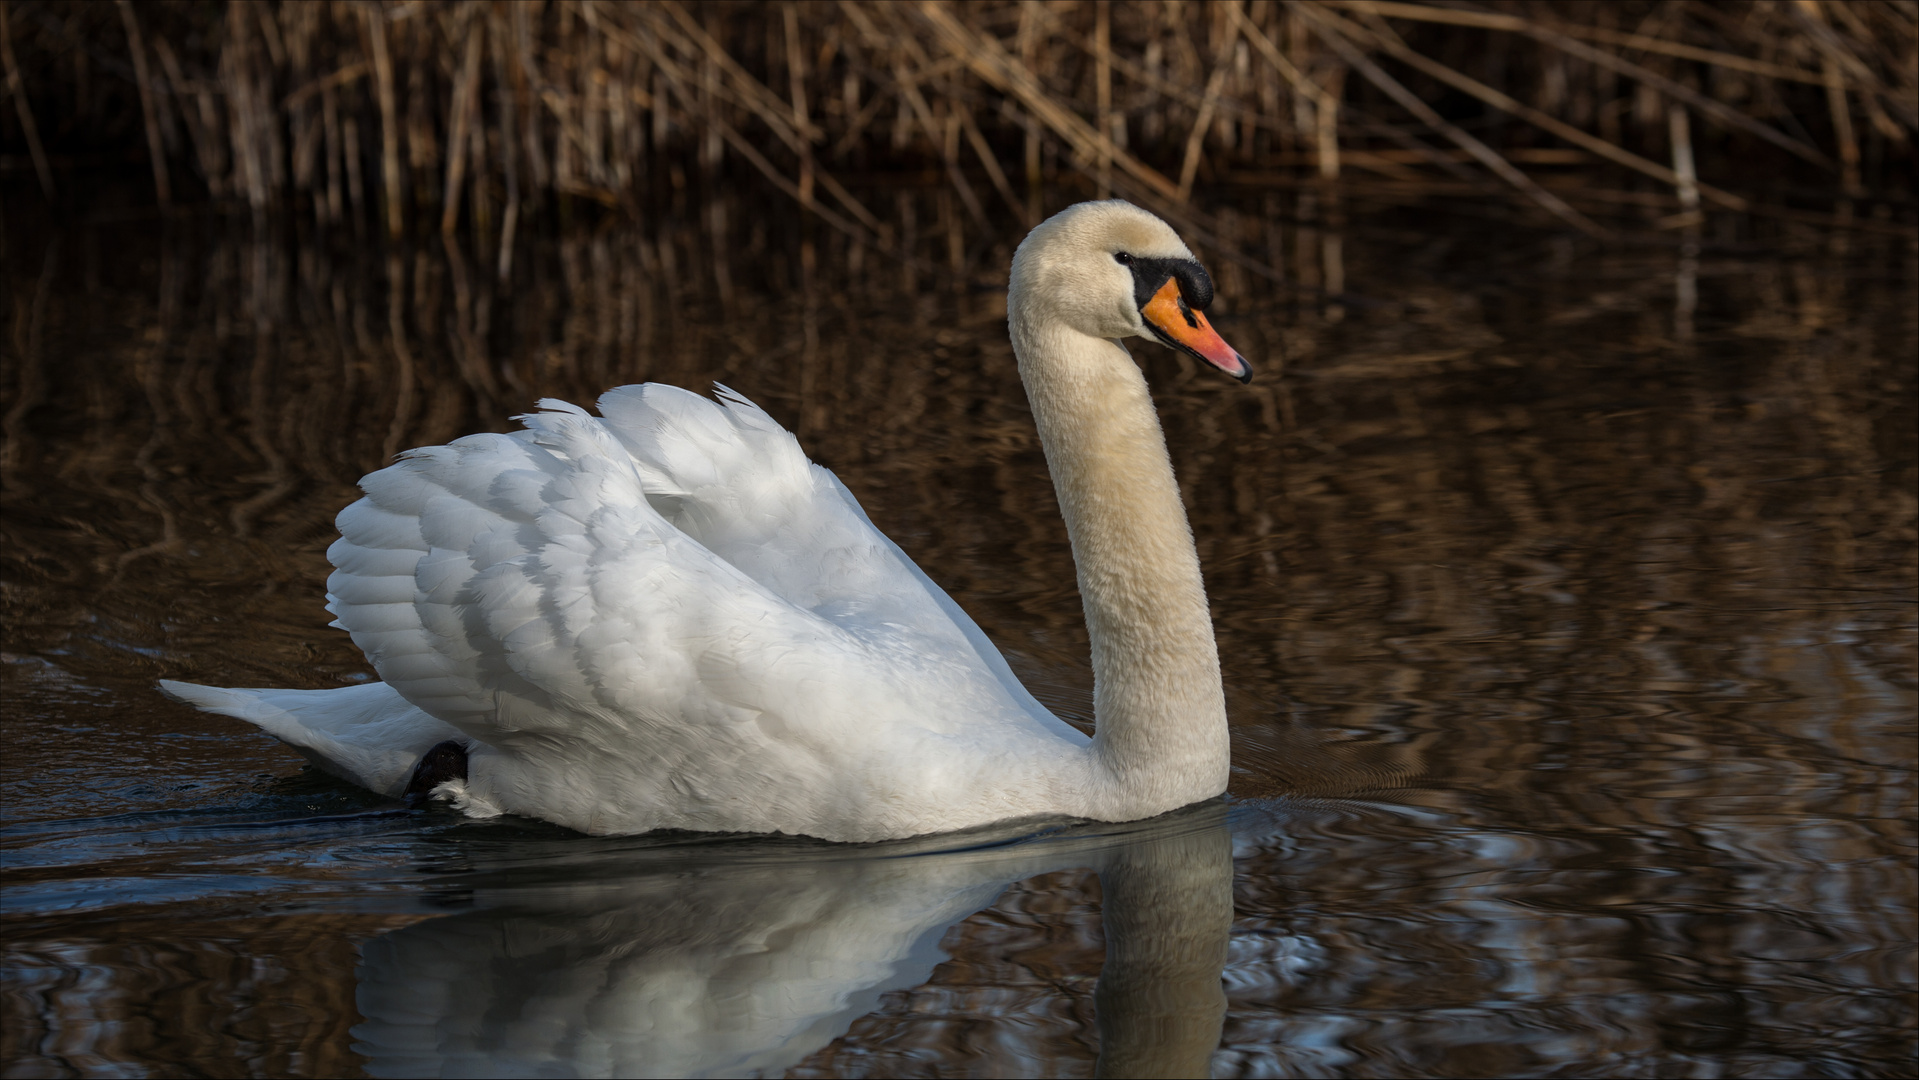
{"type": "Point", "coordinates": [667, 618]}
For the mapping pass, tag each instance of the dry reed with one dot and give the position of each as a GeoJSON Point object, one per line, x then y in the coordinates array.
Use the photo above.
{"type": "Point", "coordinates": [476, 115]}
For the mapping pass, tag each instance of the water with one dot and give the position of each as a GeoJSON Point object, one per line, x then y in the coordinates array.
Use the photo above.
{"type": "Point", "coordinates": [1565, 600]}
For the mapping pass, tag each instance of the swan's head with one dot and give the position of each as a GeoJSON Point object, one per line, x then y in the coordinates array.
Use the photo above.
{"type": "Point", "coordinates": [1112, 270]}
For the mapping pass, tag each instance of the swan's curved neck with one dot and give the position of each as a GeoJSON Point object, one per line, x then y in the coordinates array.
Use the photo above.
{"type": "Point", "coordinates": [1158, 706]}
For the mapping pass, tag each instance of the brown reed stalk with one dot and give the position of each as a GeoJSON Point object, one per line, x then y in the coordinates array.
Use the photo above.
{"type": "Point", "coordinates": [17, 88]}
{"type": "Point", "coordinates": [156, 148]}
{"type": "Point", "coordinates": [466, 103]}
{"type": "Point", "coordinates": [1507, 104]}
{"type": "Point", "coordinates": [512, 110]}
{"type": "Point", "coordinates": [389, 120]}
{"type": "Point", "coordinates": [1669, 87]}
{"type": "Point", "coordinates": [1334, 33]}
{"type": "Point", "coordinates": [1103, 92]}
{"type": "Point", "coordinates": [1326, 109]}
{"type": "Point", "coordinates": [1006, 73]}
{"type": "Point", "coordinates": [989, 161]}
{"type": "Point", "coordinates": [1209, 101]}
{"type": "Point", "coordinates": [1680, 126]}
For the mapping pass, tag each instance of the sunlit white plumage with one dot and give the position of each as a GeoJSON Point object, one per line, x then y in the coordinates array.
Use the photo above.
{"type": "Point", "coordinates": [666, 617]}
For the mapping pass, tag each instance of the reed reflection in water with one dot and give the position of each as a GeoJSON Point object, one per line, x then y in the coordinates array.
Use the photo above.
{"type": "Point", "coordinates": [1564, 597]}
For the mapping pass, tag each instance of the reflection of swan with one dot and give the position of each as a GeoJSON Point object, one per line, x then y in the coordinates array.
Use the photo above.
{"type": "Point", "coordinates": [690, 968]}
{"type": "Point", "coordinates": [669, 619]}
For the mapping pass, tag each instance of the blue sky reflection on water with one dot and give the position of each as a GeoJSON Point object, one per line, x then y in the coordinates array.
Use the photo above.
{"type": "Point", "coordinates": [1570, 658]}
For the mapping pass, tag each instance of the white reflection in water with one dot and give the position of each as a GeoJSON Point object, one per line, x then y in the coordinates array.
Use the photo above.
{"type": "Point", "coordinates": [680, 964]}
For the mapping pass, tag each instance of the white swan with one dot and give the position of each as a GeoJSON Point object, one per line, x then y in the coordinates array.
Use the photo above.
{"type": "Point", "coordinates": [667, 617]}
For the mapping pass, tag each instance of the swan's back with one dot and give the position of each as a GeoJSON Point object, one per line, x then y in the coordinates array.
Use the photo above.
{"type": "Point", "coordinates": [670, 618]}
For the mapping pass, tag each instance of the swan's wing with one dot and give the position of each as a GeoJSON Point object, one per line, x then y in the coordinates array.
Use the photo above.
{"type": "Point", "coordinates": [523, 589]}
{"type": "Point", "coordinates": [728, 475]}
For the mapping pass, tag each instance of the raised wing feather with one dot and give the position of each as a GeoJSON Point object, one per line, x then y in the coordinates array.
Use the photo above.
{"type": "Point", "coordinates": [676, 576]}
{"type": "Point", "coordinates": [731, 477]}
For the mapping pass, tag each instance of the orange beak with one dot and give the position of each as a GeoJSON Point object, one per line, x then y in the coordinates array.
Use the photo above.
{"type": "Point", "coordinates": [1182, 327]}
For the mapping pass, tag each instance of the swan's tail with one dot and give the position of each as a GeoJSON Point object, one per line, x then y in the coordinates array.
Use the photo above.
{"type": "Point", "coordinates": [367, 734]}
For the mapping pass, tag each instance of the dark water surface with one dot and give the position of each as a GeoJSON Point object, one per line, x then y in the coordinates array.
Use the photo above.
{"type": "Point", "coordinates": [1565, 599]}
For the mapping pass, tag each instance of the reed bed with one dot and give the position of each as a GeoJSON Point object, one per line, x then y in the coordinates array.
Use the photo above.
{"type": "Point", "coordinates": [476, 118]}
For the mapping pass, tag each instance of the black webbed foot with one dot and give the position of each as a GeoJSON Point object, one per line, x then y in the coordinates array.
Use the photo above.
{"type": "Point", "coordinates": [444, 762]}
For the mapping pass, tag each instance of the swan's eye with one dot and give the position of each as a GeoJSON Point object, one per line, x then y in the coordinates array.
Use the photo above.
{"type": "Point", "coordinates": [1122, 258]}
